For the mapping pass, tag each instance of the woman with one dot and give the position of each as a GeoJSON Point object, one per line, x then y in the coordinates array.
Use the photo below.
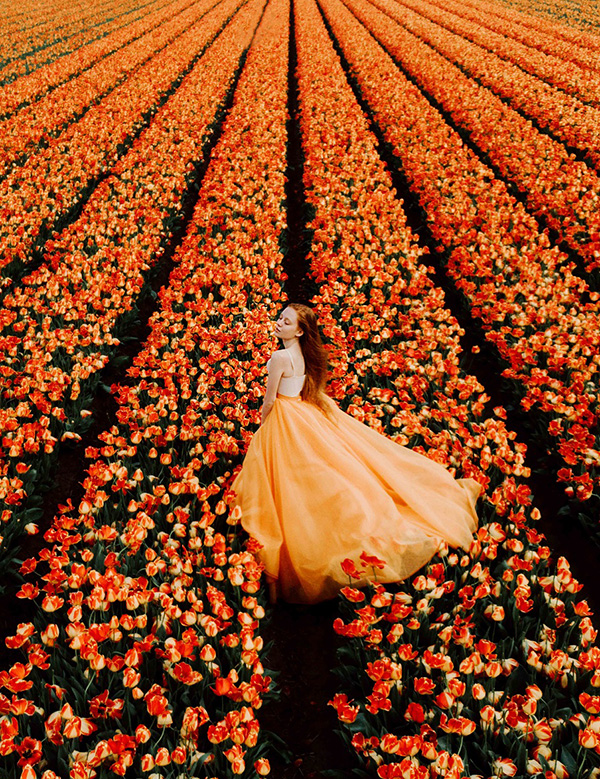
{"type": "Point", "coordinates": [317, 486]}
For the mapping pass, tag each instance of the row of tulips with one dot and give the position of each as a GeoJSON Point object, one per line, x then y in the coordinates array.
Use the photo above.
{"type": "Point", "coordinates": [35, 85]}
{"type": "Point", "coordinates": [37, 196]}
{"type": "Point", "coordinates": [545, 41]}
{"type": "Point", "coordinates": [23, 131]}
{"type": "Point", "coordinates": [24, 19]}
{"type": "Point", "coordinates": [575, 80]}
{"type": "Point", "coordinates": [566, 117]}
{"type": "Point", "coordinates": [484, 662]}
{"type": "Point", "coordinates": [25, 50]}
{"type": "Point", "coordinates": [59, 325]}
{"type": "Point", "coordinates": [564, 191]}
{"type": "Point", "coordinates": [532, 306]}
{"type": "Point", "coordinates": [27, 15]}
{"type": "Point", "coordinates": [547, 17]}
{"type": "Point", "coordinates": [152, 662]}
{"type": "Point", "coordinates": [30, 14]}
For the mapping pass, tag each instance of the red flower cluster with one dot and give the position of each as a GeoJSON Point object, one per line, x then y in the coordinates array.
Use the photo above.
{"type": "Point", "coordinates": [150, 593]}
{"type": "Point", "coordinates": [463, 652]}
{"type": "Point", "coordinates": [95, 269]}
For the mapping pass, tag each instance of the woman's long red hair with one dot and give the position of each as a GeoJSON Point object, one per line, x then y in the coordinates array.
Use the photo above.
{"type": "Point", "coordinates": [315, 356]}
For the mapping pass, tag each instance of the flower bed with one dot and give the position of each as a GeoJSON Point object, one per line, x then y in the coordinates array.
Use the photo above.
{"type": "Point", "coordinates": [70, 307]}
{"type": "Point", "coordinates": [546, 18]}
{"type": "Point", "coordinates": [39, 196]}
{"type": "Point", "coordinates": [60, 34]}
{"type": "Point", "coordinates": [571, 50]}
{"type": "Point", "coordinates": [35, 85]}
{"type": "Point", "coordinates": [555, 186]}
{"type": "Point", "coordinates": [532, 306]}
{"type": "Point", "coordinates": [21, 31]}
{"type": "Point", "coordinates": [152, 658]}
{"type": "Point", "coordinates": [22, 132]}
{"type": "Point", "coordinates": [577, 81]}
{"type": "Point", "coordinates": [483, 663]}
{"type": "Point", "coordinates": [566, 117]}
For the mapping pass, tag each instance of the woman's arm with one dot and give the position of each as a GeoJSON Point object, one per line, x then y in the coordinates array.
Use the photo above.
{"type": "Point", "coordinates": [279, 362]}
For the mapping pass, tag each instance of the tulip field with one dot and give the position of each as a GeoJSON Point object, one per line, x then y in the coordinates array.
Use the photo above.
{"type": "Point", "coordinates": [251, 152]}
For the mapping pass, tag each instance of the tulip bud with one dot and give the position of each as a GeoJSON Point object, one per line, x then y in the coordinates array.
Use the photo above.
{"type": "Point", "coordinates": [262, 767]}
{"type": "Point", "coordinates": [147, 762]}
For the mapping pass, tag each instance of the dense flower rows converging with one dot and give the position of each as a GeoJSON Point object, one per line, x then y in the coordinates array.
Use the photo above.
{"type": "Point", "coordinates": [568, 118]}
{"type": "Point", "coordinates": [95, 268]}
{"type": "Point", "coordinates": [51, 32]}
{"type": "Point", "coordinates": [575, 30]}
{"type": "Point", "coordinates": [456, 665]}
{"type": "Point", "coordinates": [549, 42]}
{"type": "Point", "coordinates": [23, 130]}
{"type": "Point", "coordinates": [149, 614]}
{"type": "Point", "coordinates": [141, 653]}
{"type": "Point", "coordinates": [58, 177]}
{"type": "Point", "coordinates": [542, 317]}
{"type": "Point", "coordinates": [553, 68]}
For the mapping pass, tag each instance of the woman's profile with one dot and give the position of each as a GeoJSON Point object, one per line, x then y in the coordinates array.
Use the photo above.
{"type": "Point", "coordinates": [317, 486]}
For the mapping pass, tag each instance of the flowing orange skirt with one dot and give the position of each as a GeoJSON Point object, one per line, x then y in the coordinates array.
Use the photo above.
{"type": "Point", "coordinates": [315, 489]}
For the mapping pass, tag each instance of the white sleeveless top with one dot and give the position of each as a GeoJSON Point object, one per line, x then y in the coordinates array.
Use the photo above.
{"type": "Point", "coordinates": [290, 386]}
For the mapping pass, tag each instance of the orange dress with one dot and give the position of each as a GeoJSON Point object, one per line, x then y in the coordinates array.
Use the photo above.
{"type": "Point", "coordinates": [318, 488]}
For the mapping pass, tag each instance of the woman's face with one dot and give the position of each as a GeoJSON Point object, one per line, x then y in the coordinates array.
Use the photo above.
{"type": "Point", "coordinates": [287, 326]}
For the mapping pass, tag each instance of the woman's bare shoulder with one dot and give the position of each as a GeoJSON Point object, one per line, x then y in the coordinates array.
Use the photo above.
{"type": "Point", "coordinates": [280, 357]}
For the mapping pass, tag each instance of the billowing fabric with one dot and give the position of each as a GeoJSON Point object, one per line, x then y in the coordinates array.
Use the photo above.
{"type": "Point", "coordinates": [317, 488]}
